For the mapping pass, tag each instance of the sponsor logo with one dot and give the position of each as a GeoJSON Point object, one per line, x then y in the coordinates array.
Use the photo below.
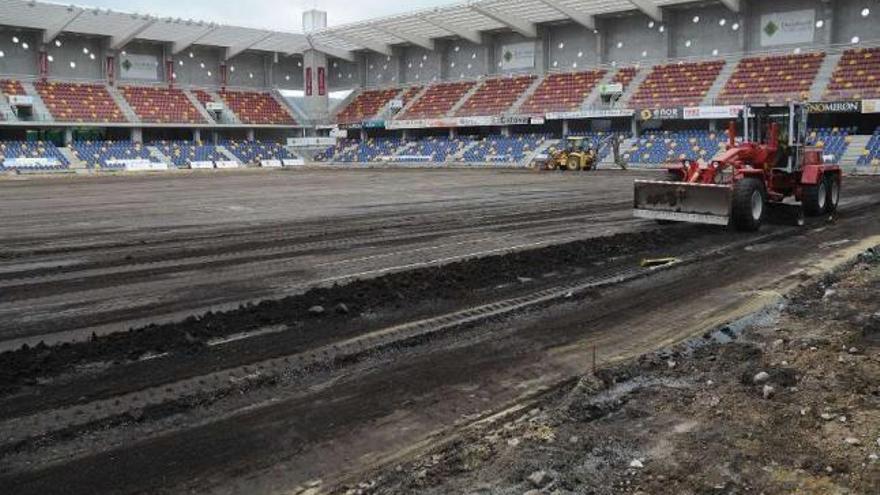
{"type": "Point", "coordinates": [835, 107]}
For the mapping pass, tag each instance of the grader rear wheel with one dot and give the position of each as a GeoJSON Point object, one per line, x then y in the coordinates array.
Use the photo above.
{"type": "Point", "coordinates": [573, 164]}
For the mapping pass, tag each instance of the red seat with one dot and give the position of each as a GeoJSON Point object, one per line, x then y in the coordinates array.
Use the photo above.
{"type": "Point", "coordinates": [254, 107]}
{"type": "Point", "coordinates": [772, 79]}
{"type": "Point", "coordinates": [681, 84]}
{"type": "Point", "coordinates": [438, 100]}
{"type": "Point", "coordinates": [158, 105]}
{"type": "Point", "coordinates": [495, 96]}
{"type": "Point", "coordinates": [81, 103]}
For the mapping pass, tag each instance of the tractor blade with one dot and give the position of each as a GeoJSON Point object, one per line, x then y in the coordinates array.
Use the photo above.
{"type": "Point", "coordinates": [683, 202]}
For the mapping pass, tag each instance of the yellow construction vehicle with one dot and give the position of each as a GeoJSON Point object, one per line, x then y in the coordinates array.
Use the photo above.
{"type": "Point", "coordinates": [574, 156]}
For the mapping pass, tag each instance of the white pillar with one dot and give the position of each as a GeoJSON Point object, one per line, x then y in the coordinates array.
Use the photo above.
{"type": "Point", "coordinates": [197, 135]}
{"type": "Point", "coordinates": [137, 135]}
{"type": "Point", "coordinates": [251, 135]}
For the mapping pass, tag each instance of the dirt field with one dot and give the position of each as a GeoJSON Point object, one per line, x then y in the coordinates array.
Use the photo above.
{"type": "Point", "coordinates": [401, 312]}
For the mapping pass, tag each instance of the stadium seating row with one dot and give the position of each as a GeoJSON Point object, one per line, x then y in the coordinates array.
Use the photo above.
{"type": "Point", "coordinates": [437, 149]}
{"type": "Point", "coordinates": [92, 103]}
{"type": "Point", "coordinates": [110, 155]}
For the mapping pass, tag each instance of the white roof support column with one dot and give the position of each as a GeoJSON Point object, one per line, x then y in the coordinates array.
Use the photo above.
{"type": "Point", "coordinates": [464, 33]}
{"type": "Point", "coordinates": [51, 33]}
{"type": "Point", "coordinates": [333, 52]}
{"type": "Point", "coordinates": [427, 44]}
{"type": "Point", "coordinates": [368, 44]}
{"type": "Point", "coordinates": [733, 5]}
{"type": "Point", "coordinates": [522, 27]}
{"type": "Point", "coordinates": [585, 20]}
{"type": "Point", "coordinates": [649, 8]}
{"type": "Point", "coordinates": [235, 50]}
{"type": "Point", "coordinates": [118, 42]}
{"type": "Point", "coordinates": [182, 45]}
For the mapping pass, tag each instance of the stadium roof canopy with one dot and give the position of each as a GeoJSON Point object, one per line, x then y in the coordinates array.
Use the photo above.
{"type": "Point", "coordinates": [420, 28]}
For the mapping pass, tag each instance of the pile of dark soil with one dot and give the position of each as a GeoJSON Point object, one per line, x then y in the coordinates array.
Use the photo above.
{"type": "Point", "coordinates": [789, 405]}
{"type": "Point", "coordinates": [342, 305]}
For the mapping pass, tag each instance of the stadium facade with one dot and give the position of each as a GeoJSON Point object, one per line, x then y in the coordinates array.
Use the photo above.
{"type": "Point", "coordinates": [486, 68]}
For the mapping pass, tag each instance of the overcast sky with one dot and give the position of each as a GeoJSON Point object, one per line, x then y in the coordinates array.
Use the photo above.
{"type": "Point", "coordinates": [272, 14]}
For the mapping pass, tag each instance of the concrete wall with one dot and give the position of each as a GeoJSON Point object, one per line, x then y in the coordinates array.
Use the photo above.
{"type": "Point", "coordinates": [248, 70]}
{"type": "Point", "coordinates": [713, 34]}
{"type": "Point", "coordinates": [628, 39]}
{"type": "Point", "coordinates": [758, 8]}
{"type": "Point", "coordinates": [78, 57]}
{"type": "Point", "coordinates": [849, 23]}
{"type": "Point", "coordinates": [342, 74]}
{"type": "Point", "coordinates": [143, 48]}
{"type": "Point", "coordinates": [288, 72]}
{"type": "Point", "coordinates": [571, 47]}
{"type": "Point", "coordinates": [422, 66]}
{"type": "Point", "coordinates": [199, 66]}
{"type": "Point", "coordinates": [501, 40]}
{"type": "Point", "coordinates": [16, 59]}
{"type": "Point", "coordinates": [382, 70]}
{"type": "Point", "coordinates": [465, 60]}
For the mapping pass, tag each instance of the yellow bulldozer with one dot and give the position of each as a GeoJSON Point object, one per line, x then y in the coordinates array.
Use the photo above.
{"type": "Point", "coordinates": [574, 156]}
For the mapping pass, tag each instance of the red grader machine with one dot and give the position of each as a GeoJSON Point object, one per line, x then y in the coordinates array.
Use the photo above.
{"type": "Point", "coordinates": [740, 185]}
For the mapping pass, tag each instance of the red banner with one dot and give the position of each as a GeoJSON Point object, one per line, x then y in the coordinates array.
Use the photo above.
{"type": "Point", "coordinates": [43, 65]}
{"type": "Point", "coordinates": [308, 81]}
{"type": "Point", "coordinates": [111, 70]}
{"type": "Point", "coordinates": [322, 81]}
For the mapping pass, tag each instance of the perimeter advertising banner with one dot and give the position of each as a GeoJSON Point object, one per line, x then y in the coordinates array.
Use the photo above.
{"type": "Point", "coordinates": [518, 56]}
{"type": "Point", "coordinates": [870, 106]}
{"type": "Point", "coordinates": [591, 114]}
{"type": "Point", "coordinates": [446, 122]}
{"type": "Point", "coordinates": [140, 67]}
{"type": "Point", "coordinates": [788, 28]}
{"type": "Point", "coordinates": [835, 107]}
{"type": "Point", "coordinates": [659, 114]}
{"type": "Point", "coordinates": [712, 113]}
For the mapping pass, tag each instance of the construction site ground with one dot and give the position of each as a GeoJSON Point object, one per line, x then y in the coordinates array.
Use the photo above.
{"type": "Point", "coordinates": [441, 331]}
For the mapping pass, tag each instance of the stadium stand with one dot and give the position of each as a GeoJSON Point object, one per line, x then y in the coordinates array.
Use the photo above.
{"type": "Point", "coordinates": [353, 151]}
{"type": "Point", "coordinates": [857, 75]}
{"type": "Point", "coordinates": [439, 149]}
{"type": "Point", "coordinates": [772, 79]}
{"type": "Point", "coordinates": [258, 108]}
{"type": "Point", "coordinates": [11, 87]}
{"type": "Point", "coordinates": [625, 76]}
{"type": "Point", "coordinates": [871, 154]}
{"type": "Point", "coordinates": [366, 105]}
{"type": "Point", "coordinates": [79, 102]}
{"type": "Point", "coordinates": [669, 146]}
{"type": "Point", "coordinates": [255, 151]}
{"type": "Point", "coordinates": [36, 149]}
{"type": "Point", "coordinates": [157, 105]}
{"type": "Point", "coordinates": [438, 100]}
{"type": "Point", "coordinates": [562, 92]}
{"type": "Point", "coordinates": [495, 96]}
{"type": "Point", "coordinates": [100, 154]}
{"type": "Point", "coordinates": [203, 96]}
{"type": "Point", "coordinates": [502, 149]}
{"type": "Point", "coordinates": [183, 153]}
{"type": "Point", "coordinates": [681, 84]}
{"type": "Point", "coordinates": [833, 141]}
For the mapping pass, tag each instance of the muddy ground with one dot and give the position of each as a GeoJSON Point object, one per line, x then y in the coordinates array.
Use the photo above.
{"type": "Point", "coordinates": [786, 401]}
{"type": "Point", "coordinates": [277, 346]}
